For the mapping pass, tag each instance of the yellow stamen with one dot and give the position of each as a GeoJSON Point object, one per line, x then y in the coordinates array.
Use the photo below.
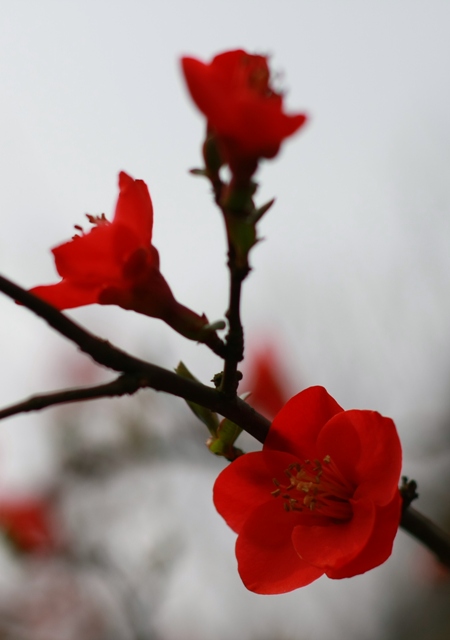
{"type": "Point", "coordinates": [321, 486]}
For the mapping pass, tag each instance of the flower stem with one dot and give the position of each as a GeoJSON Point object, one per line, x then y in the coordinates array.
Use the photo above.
{"type": "Point", "coordinates": [235, 336]}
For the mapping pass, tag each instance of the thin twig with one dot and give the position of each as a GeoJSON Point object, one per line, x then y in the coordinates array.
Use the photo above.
{"type": "Point", "coordinates": [123, 385]}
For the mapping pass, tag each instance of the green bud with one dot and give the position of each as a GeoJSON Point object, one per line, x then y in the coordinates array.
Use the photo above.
{"type": "Point", "coordinates": [223, 444]}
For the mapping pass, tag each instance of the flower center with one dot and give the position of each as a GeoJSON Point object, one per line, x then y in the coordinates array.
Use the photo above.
{"type": "Point", "coordinates": [258, 75]}
{"type": "Point", "coordinates": [316, 486]}
{"type": "Point", "coordinates": [96, 221]}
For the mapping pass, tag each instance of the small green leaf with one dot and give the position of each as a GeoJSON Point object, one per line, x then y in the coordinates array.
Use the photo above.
{"type": "Point", "coordinates": [258, 213]}
{"type": "Point", "coordinates": [199, 172]}
{"type": "Point", "coordinates": [208, 417]}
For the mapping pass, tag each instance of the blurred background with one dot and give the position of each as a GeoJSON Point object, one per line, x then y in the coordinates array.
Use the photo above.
{"type": "Point", "coordinates": [109, 528]}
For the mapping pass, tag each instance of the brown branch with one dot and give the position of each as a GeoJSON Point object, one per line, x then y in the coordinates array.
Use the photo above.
{"type": "Point", "coordinates": [145, 374]}
{"type": "Point", "coordinates": [150, 375]}
{"type": "Point", "coordinates": [123, 385]}
{"type": "Point", "coordinates": [432, 536]}
{"type": "Point", "coordinates": [238, 211]}
{"type": "Point", "coordinates": [235, 336]}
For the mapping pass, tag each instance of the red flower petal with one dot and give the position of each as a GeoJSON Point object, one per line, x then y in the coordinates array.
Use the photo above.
{"type": "Point", "coordinates": [206, 87]}
{"type": "Point", "coordinates": [247, 483]}
{"type": "Point", "coordinates": [66, 294]}
{"type": "Point", "coordinates": [267, 561]}
{"type": "Point", "coordinates": [296, 427]}
{"type": "Point", "coordinates": [379, 546]}
{"type": "Point", "coordinates": [335, 543]}
{"type": "Point", "coordinates": [90, 258]}
{"type": "Point", "coordinates": [366, 448]}
{"type": "Point", "coordinates": [134, 208]}
{"type": "Point", "coordinates": [251, 118]}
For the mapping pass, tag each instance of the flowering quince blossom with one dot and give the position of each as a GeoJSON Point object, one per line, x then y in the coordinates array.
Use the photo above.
{"type": "Point", "coordinates": [28, 524]}
{"type": "Point", "coordinates": [242, 109]}
{"type": "Point", "coordinates": [115, 263]}
{"type": "Point", "coordinates": [320, 498]}
{"type": "Point", "coordinates": [265, 382]}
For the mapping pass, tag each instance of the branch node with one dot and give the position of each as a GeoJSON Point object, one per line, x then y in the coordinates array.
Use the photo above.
{"type": "Point", "coordinates": [408, 491]}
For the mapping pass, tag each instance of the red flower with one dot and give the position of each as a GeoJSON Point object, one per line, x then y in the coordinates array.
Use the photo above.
{"type": "Point", "coordinates": [242, 109]}
{"type": "Point", "coordinates": [265, 381]}
{"type": "Point", "coordinates": [115, 263]}
{"type": "Point", "coordinates": [321, 497]}
{"type": "Point", "coordinates": [28, 524]}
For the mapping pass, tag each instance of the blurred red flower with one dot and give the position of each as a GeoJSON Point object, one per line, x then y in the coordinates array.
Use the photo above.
{"type": "Point", "coordinates": [27, 522]}
{"type": "Point", "coordinates": [115, 263]}
{"type": "Point", "coordinates": [266, 382]}
{"type": "Point", "coordinates": [320, 498]}
{"type": "Point", "coordinates": [242, 109]}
